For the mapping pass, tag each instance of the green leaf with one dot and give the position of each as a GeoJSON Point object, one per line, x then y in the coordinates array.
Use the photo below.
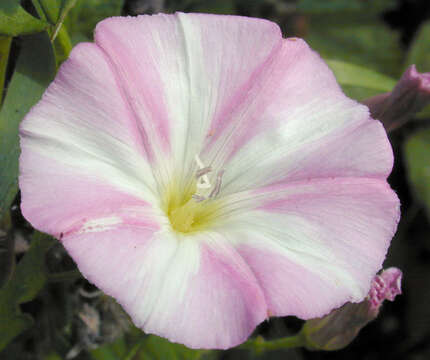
{"type": "Point", "coordinates": [215, 7]}
{"type": "Point", "coordinates": [113, 351]}
{"type": "Point", "coordinates": [55, 12]}
{"type": "Point", "coordinates": [417, 157]}
{"type": "Point", "coordinates": [7, 257]}
{"type": "Point", "coordinates": [359, 82]}
{"type": "Point", "coordinates": [14, 20]}
{"type": "Point", "coordinates": [419, 52]}
{"type": "Point", "coordinates": [31, 77]}
{"type": "Point", "coordinates": [148, 347]}
{"type": "Point", "coordinates": [5, 43]}
{"type": "Point", "coordinates": [12, 325]}
{"type": "Point", "coordinates": [358, 39]}
{"type": "Point", "coordinates": [425, 113]}
{"type": "Point", "coordinates": [52, 356]}
{"type": "Point", "coordinates": [157, 348]}
{"type": "Point", "coordinates": [132, 353]}
{"type": "Point", "coordinates": [333, 6]}
{"type": "Point", "coordinates": [84, 16]}
{"type": "Point", "coordinates": [31, 274]}
{"type": "Point", "coordinates": [29, 278]}
{"type": "Point", "coordinates": [66, 6]}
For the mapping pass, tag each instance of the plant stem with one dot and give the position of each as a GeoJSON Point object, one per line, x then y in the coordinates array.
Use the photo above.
{"type": "Point", "coordinates": [63, 13]}
{"type": "Point", "coordinates": [62, 45]}
{"type": "Point", "coordinates": [58, 34]}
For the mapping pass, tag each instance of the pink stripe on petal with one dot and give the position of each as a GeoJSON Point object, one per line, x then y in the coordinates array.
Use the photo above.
{"type": "Point", "coordinates": [81, 153]}
{"type": "Point", "coordinates": [56, 198]}
{"type": "Point", "coordinates": [313, 245]}
{"type": "Point", "coordinates": [291, 288]}
{"type": "Point", "coordinates": [135, 62]}
{"type": "Point", "coordinates": [224, 305]}
{"type": "Point", "coordinates": [196, 291]}
{"type": "Point", "coordinates": [111, 259]}
{"type": "Point", "coordinates": [180, 72]}
{"type": "Point", "coordinates": [85, 97]}
{"type": "Point", "coordinates": [243, 72]}
{"type": "Point", "coordinates": [369, 210]}
{"type": "Point", "coordinates": [273, 92]}
{"type": "Point", "coordinates": [353, 151]}
{"type": "Point", "coordinates": [306, 128]}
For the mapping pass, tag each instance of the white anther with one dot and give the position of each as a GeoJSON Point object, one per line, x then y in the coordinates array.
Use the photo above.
{"type": "Point", "coordinates": [215, 191]}
{"type": "Point", "coordinates": [203, 180]}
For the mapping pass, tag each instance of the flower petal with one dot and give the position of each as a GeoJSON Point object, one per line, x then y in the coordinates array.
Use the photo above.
{"type": "Point", "coordinates": [297, 124]}
{"type": "Point", "coordinates": [180, 72]}
{"type": "Point", "coordinates": [314, 245]}
{"type": "Point", "coordinates": [194, 290]}
{"type": "Point", "coordinates": [80, 152]}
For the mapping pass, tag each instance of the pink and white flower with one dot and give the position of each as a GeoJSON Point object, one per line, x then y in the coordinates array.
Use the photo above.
{"type": "Point", "coordinates": [208, 174]}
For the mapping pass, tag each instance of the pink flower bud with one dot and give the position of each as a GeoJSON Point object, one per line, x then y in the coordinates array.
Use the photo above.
{"type": "Point", "coordinates": [385, 286]}
{"type": "Point", "coordinates": [339, 328]}
{"type": "Point", "coordinates": [409, 96]}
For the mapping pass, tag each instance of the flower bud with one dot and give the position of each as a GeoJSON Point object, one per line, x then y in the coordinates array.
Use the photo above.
{"type": "Point", "coordinates": [339, 328]}
{"type": "Point", "coordinates": [409, 96]}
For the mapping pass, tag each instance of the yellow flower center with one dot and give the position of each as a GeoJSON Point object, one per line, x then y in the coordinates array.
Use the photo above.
{"type": "Point", "coordinates": [193, 208]}
{"type": "Point", "coordinates": [186, 214]}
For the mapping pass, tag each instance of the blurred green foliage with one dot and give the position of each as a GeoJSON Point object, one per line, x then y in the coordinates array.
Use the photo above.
{"type": "Point", "coordinates": [360, 82]}
{"type": "Point", "coordinates": [35, 69]}
{"type": "Point", "coordinates": [28, 279]}
{"type": "Point", "coordinates": [7, 257]}
{"type": "Point", "coordinates": [417, 146]}
{"type": "Point", "coordinates": [5, 42]}
{"type": "Point", "coordinates": [360, 40]}
{"type": "Point", "coordinates": [352, 33]}
{"type": "Point", "coordinates": [84, 16]}
{"type": "Point", "coordinates": [417, 155]}
{"type": "Point", "coordinates": [342, 6]}
{"type": "Point", "coordinates": [14, 20]}
{"type": "Point", "coordinates": [148, 348]}
{"type": "Point", "coordinates": [419, 54]}
{"type": "Point", "coordinates": [55, 12]}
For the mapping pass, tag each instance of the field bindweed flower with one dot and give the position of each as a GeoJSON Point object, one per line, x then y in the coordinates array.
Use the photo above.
{"type": "Point", "coordinates": [207, 174]}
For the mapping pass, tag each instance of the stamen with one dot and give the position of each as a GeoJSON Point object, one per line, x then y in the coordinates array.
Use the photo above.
{"type": "Point", "coordinates": [198, 198]}
{"type": "Point", "coordinates": [203, 182]}
{"type": "Point", "coordinates": [215, 191]}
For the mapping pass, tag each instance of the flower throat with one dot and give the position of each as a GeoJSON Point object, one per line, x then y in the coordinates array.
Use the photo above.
{"type": "Point", "coordinates": [194, 209]}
